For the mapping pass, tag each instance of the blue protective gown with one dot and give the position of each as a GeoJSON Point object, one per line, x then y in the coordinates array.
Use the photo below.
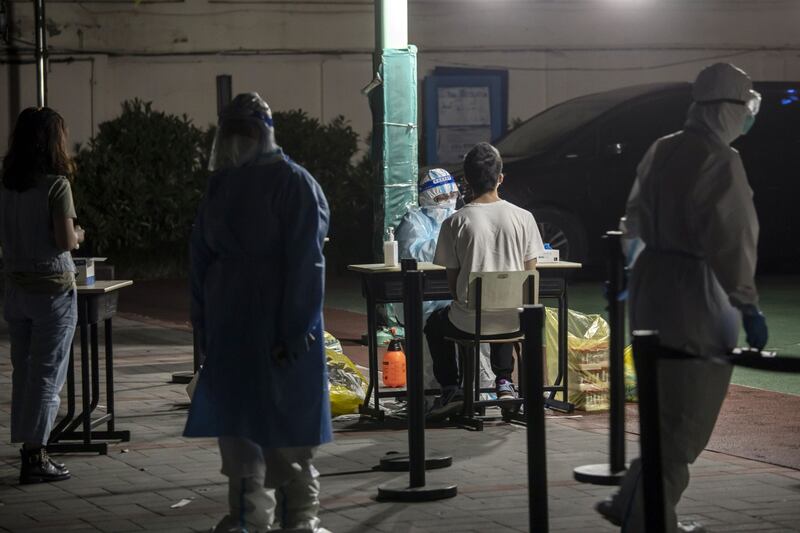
{"type": "Point", "coordinates": [416, 239]}
{"type": "Point", "coordinates": [258, 282]}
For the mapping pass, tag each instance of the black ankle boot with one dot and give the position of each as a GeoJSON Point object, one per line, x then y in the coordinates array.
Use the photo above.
{"type": "Point", "coordinates": [38, 468]}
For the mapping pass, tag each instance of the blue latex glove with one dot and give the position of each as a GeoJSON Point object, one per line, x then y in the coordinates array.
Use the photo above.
{"type": "Point", "coordinates": [755, 326]}
{"type": "Point", "coordinates": [622, 295]}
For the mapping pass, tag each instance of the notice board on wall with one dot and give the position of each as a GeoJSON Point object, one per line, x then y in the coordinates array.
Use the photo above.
{"type": "Point", "coordinates": [463, 107]}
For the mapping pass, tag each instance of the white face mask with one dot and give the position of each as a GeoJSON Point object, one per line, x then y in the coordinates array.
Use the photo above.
{"type": "Point", "coordinates": [448, 204]}
{"type": "Point", "coordinates": [441, 211]}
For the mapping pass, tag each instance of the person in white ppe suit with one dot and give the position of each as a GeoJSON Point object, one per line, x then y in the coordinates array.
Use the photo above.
{"type": "Point", "coordinates": [416, 239]}
{"type": "Point", "coordinates": [690, 220]}
{"type": "Point", "coordinates": [257, 280]}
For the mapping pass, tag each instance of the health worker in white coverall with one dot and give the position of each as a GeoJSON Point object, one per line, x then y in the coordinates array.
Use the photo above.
{"type": "Point", "coordinates": [257, 279]}
{"type": "Point", "coordinates": [691, 220]}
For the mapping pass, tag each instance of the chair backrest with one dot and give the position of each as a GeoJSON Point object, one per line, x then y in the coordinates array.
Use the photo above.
{"type": "Point", "coordinates": [503, 290]}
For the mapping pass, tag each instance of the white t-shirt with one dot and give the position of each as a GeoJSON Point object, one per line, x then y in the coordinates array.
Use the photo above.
{"type": "Point", "coordinates": [495, 237]}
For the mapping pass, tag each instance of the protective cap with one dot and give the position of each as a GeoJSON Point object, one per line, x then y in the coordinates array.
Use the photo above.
{"type": "Point", "coordinates": [435, 182]}
{"type": "Point", "coordinates": [722, 82]}
{"type": "Point", "coordinates": [244, 133]}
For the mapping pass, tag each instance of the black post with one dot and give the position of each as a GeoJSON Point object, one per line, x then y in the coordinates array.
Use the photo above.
{"type": "Point", "coordinates": [532, 324]}
{"type": "Point", "coordinates": [612, 473]}
{"type": "Point", "coordinates": [647, 352]}
{"type": "Point", "coordinates": [416, 489]}
{"type": "Point", "coordinates": [412, 287]}
{"type": "Point", "coordinates": [616, 351]}
{"type": "Point", "coordinates": [40, 34]}
{"type": "Point", "coordinates": [224, 92]}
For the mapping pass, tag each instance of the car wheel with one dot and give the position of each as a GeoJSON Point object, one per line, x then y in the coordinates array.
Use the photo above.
{"type": "Point", "coordinates": [564, 233]}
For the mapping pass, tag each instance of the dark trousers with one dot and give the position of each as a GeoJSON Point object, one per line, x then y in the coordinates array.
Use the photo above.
{"type": "Point", "coordinates": [445, 358]}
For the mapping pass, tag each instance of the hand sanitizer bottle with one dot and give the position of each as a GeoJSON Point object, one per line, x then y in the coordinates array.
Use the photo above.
{"type": "Point", "coordinates": [390, 253]}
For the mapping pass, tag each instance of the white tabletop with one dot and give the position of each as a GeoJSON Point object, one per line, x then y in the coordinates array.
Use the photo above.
{"type": "Point", "coordinates": [376, 268]}
{"type": "Point", "coordinates": [104, 286]}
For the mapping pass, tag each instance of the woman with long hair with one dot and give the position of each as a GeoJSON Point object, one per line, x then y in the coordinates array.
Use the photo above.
{"type": "Point", "coordinates": [37, 233]}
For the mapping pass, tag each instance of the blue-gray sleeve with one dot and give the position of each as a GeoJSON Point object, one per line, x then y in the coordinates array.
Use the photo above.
{"type": "Point", "coordinates": [201, 256]}
{"type": "Point", "coordinates": [414, 238]}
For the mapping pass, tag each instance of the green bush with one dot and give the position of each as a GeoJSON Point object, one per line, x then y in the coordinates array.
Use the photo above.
{"type": "Point", "coordinates": [137, 188]}
{"type": "Point", "coordinates": [327, 151]}
{"type": "Point", "coordinates": [141, 178]}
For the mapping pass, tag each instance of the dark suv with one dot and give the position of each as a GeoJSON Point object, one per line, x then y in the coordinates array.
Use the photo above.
{"type": "Point", "coordinates": [573, 164]}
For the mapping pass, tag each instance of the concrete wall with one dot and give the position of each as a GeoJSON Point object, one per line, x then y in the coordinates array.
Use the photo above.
{"type": "Point", "coordinates": [315, 55]}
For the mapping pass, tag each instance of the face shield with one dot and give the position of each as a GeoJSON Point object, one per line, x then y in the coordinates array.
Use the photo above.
{"type": "Point", "coordinates": [753, 106]}
{"type": "Point", "coordinates": [723, 83]}
{"type": "Point", "coordinates": [245, 132]}
{"type": "Point", "coordinates": [438, 189]}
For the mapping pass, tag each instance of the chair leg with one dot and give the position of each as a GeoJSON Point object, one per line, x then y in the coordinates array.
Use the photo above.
{"type": "Point", "coordinates": [469, 393]}
{"type": "Point", "coordinates": [481, 410]}
{"type": "Point", "coordinates": [520, 369]}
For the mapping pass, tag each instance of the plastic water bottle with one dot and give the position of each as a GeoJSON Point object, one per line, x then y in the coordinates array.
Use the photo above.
{"type": "Point", "coordinates": [394, 365]}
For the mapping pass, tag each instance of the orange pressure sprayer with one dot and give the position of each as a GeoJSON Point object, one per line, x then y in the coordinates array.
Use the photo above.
{"type": "Point", "coordinates": [394, 365]}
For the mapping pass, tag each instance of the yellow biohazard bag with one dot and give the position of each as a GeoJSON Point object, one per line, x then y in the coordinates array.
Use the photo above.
{"type": "Point", "coordinates": [588, 341]}
{"type": "Point", "coordinates": [348, 387]}
{"type": "Point", "coordinates": [631, 391]}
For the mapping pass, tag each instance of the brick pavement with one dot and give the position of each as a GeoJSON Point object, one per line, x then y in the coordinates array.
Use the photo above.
{"type": "Point", "coordinates": [134, 487]}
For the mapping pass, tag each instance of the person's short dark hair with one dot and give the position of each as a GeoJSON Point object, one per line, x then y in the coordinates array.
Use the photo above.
{"type": "Point", "coordinates": [482, 168]}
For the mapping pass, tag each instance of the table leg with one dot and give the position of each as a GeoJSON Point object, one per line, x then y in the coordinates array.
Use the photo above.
{"type": "Point", "coordinates": [85, 378]}
{"type": "Point", "coordinates": [373, 388]}
{"type": "Point", "coordinates": [95, 355]}
{"type": "Point", "coordinates": [109, 349]}
{"type": "Point", "coordinates": [561, 383]}
{"type": "Point", "coordinates": [564, 341]}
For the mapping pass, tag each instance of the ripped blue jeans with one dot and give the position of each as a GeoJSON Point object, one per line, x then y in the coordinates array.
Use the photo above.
{"type": "Point", "coordinates": [41, 327]}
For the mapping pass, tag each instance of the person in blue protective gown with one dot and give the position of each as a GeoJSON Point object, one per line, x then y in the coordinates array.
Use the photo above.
{"type": "Point", "coordinates": [257, 283]}
{"type": "Point", "coordinates": [417, 235]}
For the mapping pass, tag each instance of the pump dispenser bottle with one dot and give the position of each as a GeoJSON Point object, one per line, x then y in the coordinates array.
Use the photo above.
{"type": "Point", "coordinates": [390, 253]}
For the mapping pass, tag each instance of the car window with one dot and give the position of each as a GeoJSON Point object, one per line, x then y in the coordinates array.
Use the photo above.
{"type": "Point", "coordinates": [634, 127]}
{"type": "Point", "coordinates": [550, 126]}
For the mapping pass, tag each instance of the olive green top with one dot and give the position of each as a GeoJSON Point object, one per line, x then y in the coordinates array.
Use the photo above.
{"type": "Point", "coordinates": [19, 215]}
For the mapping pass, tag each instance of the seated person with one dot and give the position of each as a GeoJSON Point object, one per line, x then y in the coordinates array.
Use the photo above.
{"type": "Point", "coordinates": [486, 235]}
{"type": "Point", "coordinates": [417, 235]}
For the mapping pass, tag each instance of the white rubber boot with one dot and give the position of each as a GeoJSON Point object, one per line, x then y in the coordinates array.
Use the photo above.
{"type": "Point", "coordinates": [297, 506]}
{"type": "Point", "coordinates": [251, 507]}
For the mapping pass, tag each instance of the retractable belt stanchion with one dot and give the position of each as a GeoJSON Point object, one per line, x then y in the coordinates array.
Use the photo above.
{"type": "Point", "coordinates": [611, 473]}
{"type": "Point", "coordinates": [648, 353]}
{"type": "Point", "coordinates": [646, 350]}
{"type": "Point", "coordinates": [416, 490]}
{"type": "Point", "coordinates": [532, 324]}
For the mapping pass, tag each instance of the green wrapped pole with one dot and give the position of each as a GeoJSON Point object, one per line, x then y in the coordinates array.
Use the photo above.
{"type": "Point", "coordinates": [393, 101]}
{"type": "Point", "coordinates": [394, 138]}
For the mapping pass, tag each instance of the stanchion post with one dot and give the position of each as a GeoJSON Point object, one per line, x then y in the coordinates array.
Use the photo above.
{"type": "Point", "coordinates": [532, 325]}
{"type": "Point", "coordinates": [646, 351]}
{"type": "Point", "coordinates": [616, 352]}
{"type": "Point", "coordinates": [412, 285]}
{"type": "Point", "coordinates": [612, 472]}
{"type": "Point", "coordinates": [417, 489]}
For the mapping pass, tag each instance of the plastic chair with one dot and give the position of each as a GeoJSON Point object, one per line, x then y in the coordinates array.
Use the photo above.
{"type": "Point", "coordinates": [492, 291]}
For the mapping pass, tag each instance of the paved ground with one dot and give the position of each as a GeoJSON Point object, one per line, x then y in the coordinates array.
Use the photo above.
{"type": "Point", "coordinates": [135, 487]}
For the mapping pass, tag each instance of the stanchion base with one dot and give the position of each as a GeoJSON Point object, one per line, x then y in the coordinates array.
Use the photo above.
{"type": "Point", "coordinates": [399, 491]}
{"type": "Point", "coordinates": [558, 405]}
{"type": "Point", "coordinates": [395, 462]}
{"type": "Point", "coordinates": [598, 475]}
{"type": "Point", "coordinates": [182, 377]}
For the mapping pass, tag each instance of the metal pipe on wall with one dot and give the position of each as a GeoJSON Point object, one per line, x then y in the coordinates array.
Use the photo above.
{"type": "Point", "coordinates": [41, 52]}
